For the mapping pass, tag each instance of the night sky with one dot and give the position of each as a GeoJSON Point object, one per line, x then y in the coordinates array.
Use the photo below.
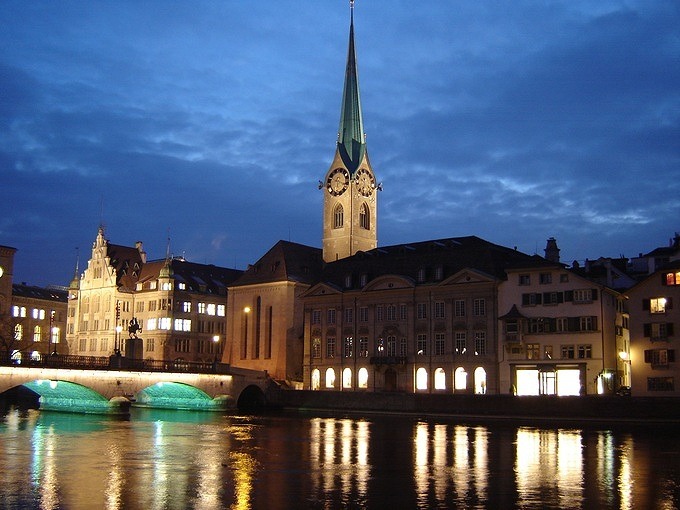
{"type": "Point", "coordinates": [211, 123]}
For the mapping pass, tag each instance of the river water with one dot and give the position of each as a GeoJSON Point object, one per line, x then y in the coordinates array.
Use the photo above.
{"type": "Point", "coordinates": [200, 460]}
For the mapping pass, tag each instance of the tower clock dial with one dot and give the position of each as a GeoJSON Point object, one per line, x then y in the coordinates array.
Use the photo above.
{"type": "Point", "coordinates": [337, 181]}
{"type": "Point", "coordinates": [365, 182]}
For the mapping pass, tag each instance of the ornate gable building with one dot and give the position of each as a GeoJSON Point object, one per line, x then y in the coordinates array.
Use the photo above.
{"type": "Point", "coordinates": [176, 307]}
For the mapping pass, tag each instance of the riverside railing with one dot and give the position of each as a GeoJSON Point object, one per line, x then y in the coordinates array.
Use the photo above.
{"type": "Point", "coordinates": [69, 361]}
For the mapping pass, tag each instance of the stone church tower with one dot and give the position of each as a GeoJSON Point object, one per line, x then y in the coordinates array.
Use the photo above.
{"type": "Point", "coordinates": [349, 188]}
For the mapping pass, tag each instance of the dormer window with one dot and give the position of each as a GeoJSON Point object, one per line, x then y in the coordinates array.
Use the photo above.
{"type": "Point", "coordinates": [421, 275]}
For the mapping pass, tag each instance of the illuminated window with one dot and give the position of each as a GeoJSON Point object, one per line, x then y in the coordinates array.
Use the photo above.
{"type": "Point", "coordinates": [201, 307]}
{"type": "Point", "coordinates": [182, 324]}
{"type": "Point", "coordinates": [439, 379]}
{"type": "Point", "coordinates": [347, 378]}
{"type": "Point", "coordinates": [362, 378]}
{"type": "Point", "coordinates": [55, 335]}
{"type": "Point", "coordinates": [658, 305]}
{"type": "Point", "coordinates": [164, 323]}
{"type": "Point", "coordinates": [480, 381]}
{"type": "Point", "coordinates": [460, 379]}
{"type": "Point", "coordinates": [186, 306]}
{"type": "Point", "coordinates": [533, 350]}
{"type": "Point", "coordinates": [151, 324]}
{"type": "Point", "coordinates": [421, 379]}
{"type": "Point", "coordinates": [673, 278]}
{"type": "Point", "coordinates": [18, 332]}
{"type": "Point", "coordinates": [36, 333]}
{"type": "Point", "coordinates": [38, 314]}
{"type": "Point", "coordinates": [316, 379]}
{"type": "Point", "coordinates": [548, 352]}
{"type": "Point", "coordinates": [221, 310]}
{"type": "Point", "coordinates": [166, 286]}
{"type": "Point", "coordinates": [364, 217]}
{"type": "Point", "coordinates": [330, 378]}
{"type": "Point", "coordinates": [182, 286]}
{"type": "Point", "coordinates": [338, 216]}
{"type": "Point", "coordinates": [211, 309]}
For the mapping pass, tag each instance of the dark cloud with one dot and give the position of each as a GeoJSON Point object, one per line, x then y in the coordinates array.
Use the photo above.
{"type": "Point", "coordinates": [212, 123]}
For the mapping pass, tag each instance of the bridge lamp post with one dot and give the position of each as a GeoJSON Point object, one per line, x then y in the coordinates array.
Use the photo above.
{"type": "Point", "coordinates": [216, 341]}
{"type": "Point", "coordinates": [116, 346]}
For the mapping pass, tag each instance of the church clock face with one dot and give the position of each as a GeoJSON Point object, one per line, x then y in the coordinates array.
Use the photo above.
{"type": "Point", "coordinates": [365, 182]}
{"type": "Point", "coordinates": [337, 181]}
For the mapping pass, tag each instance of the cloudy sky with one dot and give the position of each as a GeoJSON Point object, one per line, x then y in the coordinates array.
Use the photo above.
{"type": "Point", "coordinates": [211, 123]}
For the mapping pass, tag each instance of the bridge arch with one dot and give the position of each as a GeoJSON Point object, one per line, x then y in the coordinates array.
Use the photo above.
{"type": "Point", "coordinates": [177, 395]}
{"type": "Point", "coordinates": [60, 395]}
{"type": "Point", "coordinates": [252, 397]}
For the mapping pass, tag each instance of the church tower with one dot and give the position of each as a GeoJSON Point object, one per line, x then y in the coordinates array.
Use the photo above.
{"type": "Point", "coordinates": [349, 188]}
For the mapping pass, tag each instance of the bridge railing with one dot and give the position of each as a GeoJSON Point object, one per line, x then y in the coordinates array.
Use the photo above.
{"type": "Point", "coordinates": [115, 363]}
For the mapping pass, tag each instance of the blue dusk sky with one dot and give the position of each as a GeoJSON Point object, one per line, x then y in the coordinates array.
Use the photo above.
{"type": "Point", "coordinates": [211, 123]}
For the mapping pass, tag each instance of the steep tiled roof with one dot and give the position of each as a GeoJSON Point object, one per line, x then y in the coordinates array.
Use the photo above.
{"type": "Point", "coordinates": [127, 261]}
{"type": "Point", "coordinates": [285, 261]}
{"type": "Point", "coordinates": [197, 277]}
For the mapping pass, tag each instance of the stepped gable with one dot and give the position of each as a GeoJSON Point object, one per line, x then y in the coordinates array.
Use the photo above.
{"type": "Point", "coordinates": [197, 277]}
{"type": "Point", "coordinates": [285, 261]}
{"type": "Point", "coordinates": [451, 254]}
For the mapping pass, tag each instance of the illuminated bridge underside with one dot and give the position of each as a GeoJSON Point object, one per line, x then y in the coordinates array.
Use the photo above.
{"type": "Point", "coordinates": [171, 395]}
{"type": "Point", "coordinates": [114, 391]}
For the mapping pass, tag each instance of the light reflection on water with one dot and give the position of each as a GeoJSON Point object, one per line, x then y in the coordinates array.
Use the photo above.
{"type": "Point", "coordinates": [179, 460]}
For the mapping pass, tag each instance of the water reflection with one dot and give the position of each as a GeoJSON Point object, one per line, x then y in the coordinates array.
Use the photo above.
{"type": "Point", "coordinates": [202, 461]}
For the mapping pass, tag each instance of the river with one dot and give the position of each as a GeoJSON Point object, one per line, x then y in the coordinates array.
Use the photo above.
{"type": "Point", "coordinates": [200, 460]}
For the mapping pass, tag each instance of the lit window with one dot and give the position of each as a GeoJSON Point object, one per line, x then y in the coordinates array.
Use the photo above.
{"type": "Point", "coordinates": [211, 309]}
{"type": "Point", "coordinates": [658, 305]}
{"type": "Point", "coordinates": [182, 286]}
{"type": "Point", "coordinates": [186, 306]}
{"type": "Point", "coordinates": [362, 379]}
{"type": "Point", "coordinates": [439, 379]}
{"type": "Point", "coordinates": [673, 278]}
{"type": "Point", "coordinates": [164, 323]}
{"type": "Point", "coordinates": [347, 378]}
{"type": "Point", "coordinates": [421, 379]}
{"type": "Point", "coordinates": [460, 378]}
{"type": "Point", "coordinates": [201, 307]}
{"type": "Point", "coordinates": [221, 310]}
{"type": "Point", "coordinates": [37, 333]}
{"type": "Point", "coordinates": [533, 350]}
{"type": "Point", "coordinates": [166, 286]}
{"type": "Point", "coordinates": [348, 347]}
{"type": "Point", "coordinates": [330, 378]}
{"type": "Point", "coordinates": [316, 379]}
{"type": "Point", "coordinates": [316, 347]}
{"type": "Point", "coordinates": [18, 332]}
{"type": "Point", "coordinates": [151, 324]}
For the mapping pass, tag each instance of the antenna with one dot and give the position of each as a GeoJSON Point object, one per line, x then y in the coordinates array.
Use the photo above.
{"type": "Point", "coordinates": [167, 249]}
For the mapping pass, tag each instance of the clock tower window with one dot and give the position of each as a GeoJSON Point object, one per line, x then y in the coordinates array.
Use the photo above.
{"type": "Point", "coordinates": [364, 217]}
{"type": "Point", "coordinates": [338, 216]}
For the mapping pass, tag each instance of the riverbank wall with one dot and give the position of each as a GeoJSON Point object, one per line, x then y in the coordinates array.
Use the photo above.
{"type": "Point", "coordinates": [538, 409]}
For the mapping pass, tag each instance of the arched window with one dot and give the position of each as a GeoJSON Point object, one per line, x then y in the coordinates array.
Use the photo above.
{"type": "Point", "coordinates": [460, 379]}
{"type": "Point", "coordinates": [330, 378]}
{"type": "Point", "coordinates": [347, 378]}
{"type": "Point", "coordinates": [18, 332]}
{"type": "Point", "coordinates": [439, 379]}
{"type": "Point", "coordinates": [480, 381]}
{"type": "Point", "coordinates": [338, 216]}
{"type": "Point", "coordinates": [37, 333]}
{"type": "Point", "coordinates": [316, 379]}
{"type": "Point", "coordinates": [364, 217]}
{"type": "Point", "coordinates": [362, 378]}
{"type": "Point", "coordinates": [421, 379]}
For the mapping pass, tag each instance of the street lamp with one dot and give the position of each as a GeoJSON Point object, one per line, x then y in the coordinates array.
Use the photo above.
{"type": "Point", "coordinates": [51, 333]}
{"type": "Point", "coordinates": [216, 341]}
{"type": "Point", "coordinates": [116, 347]}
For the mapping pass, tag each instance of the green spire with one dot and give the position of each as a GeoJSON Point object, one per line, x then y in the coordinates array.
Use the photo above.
{"type": "Point", "coordinates": [351, 140]}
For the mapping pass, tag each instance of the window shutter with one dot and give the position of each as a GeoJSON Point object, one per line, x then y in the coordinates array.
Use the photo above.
{"type": "Point", "coordinates": [594, 294]}
{"type": "Point", "coordinates": [664, 279]}
{"type": "Point", "coordinates": [594, 323]}
{"type": "Point", "coordinates": [648, 356]}
{"type": "Point", "coordinates": [573, 323]}
{"type": "Point", "coordinates": [539, 299]}
{"type": "Point", "coordinates": [560, 297]}
{"type": "Point", "coordinates": [669, 329]}
{"type": "Point", "coordinates": [669, 303]}
{"type": "Point", "coordinates": [546, 298]}
{"type": "Point", "coordinates": [671, 355]}
{"type": "Point", "coordinates": [569, 295]}
{"type": "Point", "coordinates": [647, 330]}
{"type": "Point", "coordinates": [525, 299]}
{"type": "Point", "coordinates": [645, 304]}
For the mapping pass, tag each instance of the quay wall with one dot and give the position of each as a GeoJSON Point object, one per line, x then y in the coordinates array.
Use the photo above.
{"type": "Point", "coordinates": [595, 408]}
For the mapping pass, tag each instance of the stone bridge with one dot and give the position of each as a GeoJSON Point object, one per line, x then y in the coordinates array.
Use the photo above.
{"type": "Point", "coordinates": [114, 390]}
